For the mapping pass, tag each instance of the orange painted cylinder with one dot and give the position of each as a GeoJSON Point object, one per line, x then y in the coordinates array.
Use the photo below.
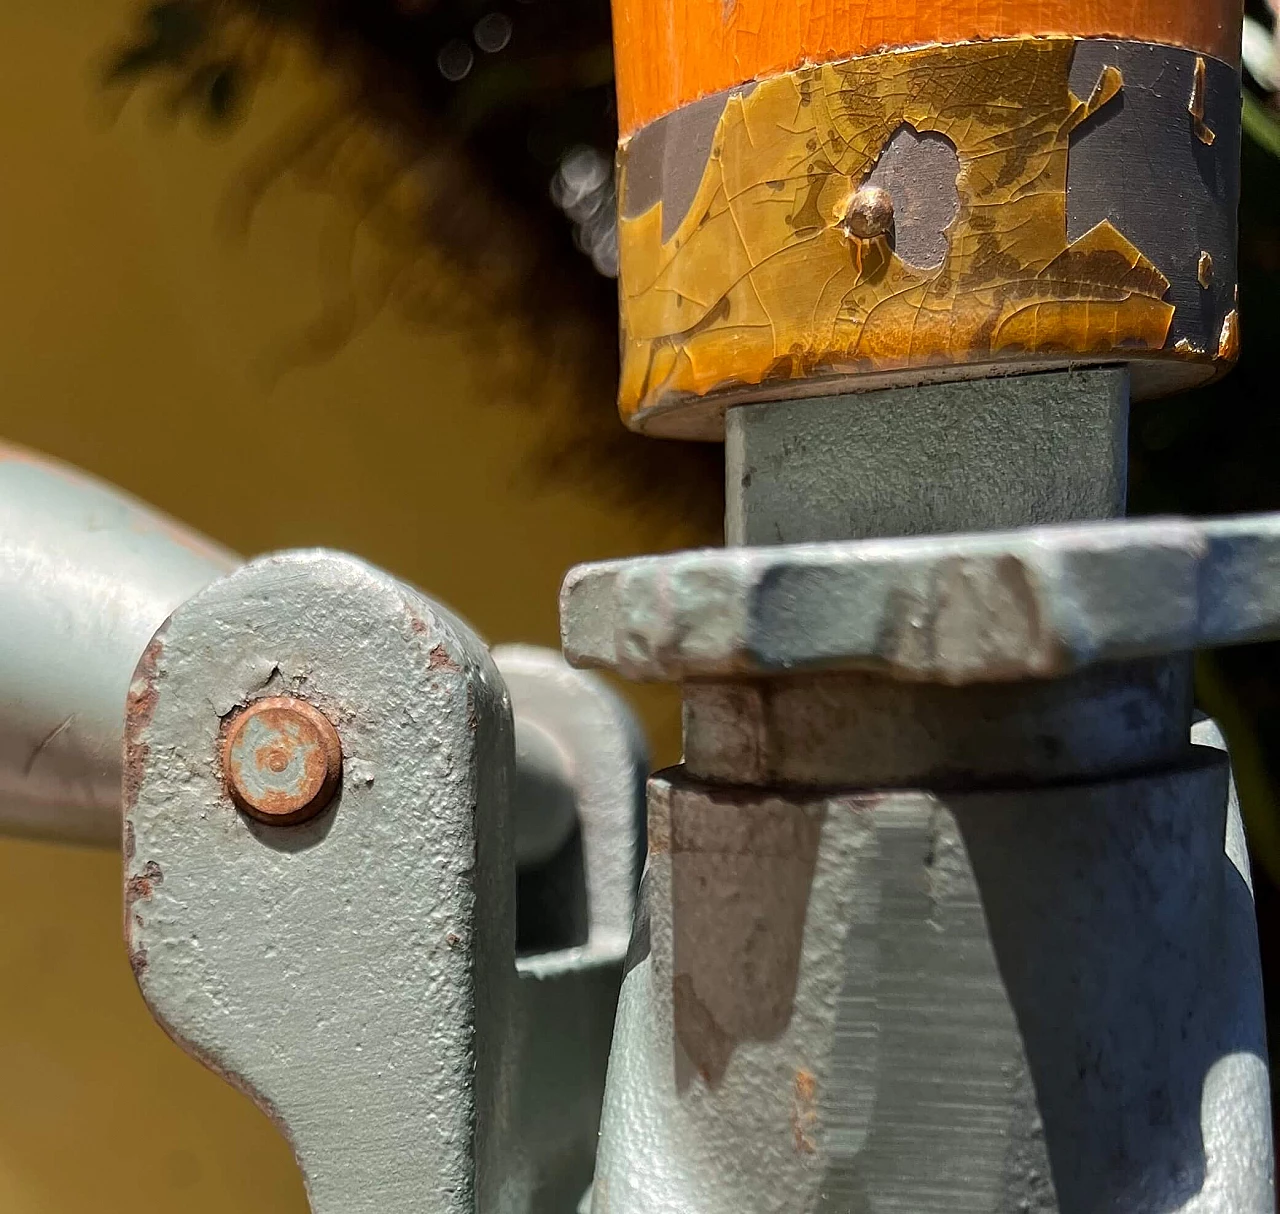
{"type": "Point", "coordinates": [671, 52]}
{"type": "Point", "coordinates": [831, 196]}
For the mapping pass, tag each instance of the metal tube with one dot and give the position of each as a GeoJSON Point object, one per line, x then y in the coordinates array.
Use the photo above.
{"type": "Point", "coordinates": [87, 575]}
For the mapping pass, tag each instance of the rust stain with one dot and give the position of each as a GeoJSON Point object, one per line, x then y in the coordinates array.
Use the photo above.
{"type": "Point", "coordinates": [1229, 338]}
{"type": "Point", "coordinates": [140, 708]}
{"type": "Point", "coordinates": [440, 660]}
{"type": "Point", "coordinates": [1204, 270]}
{"type": "Point", "coordinates": [282, 760]}
{"type": "Point", "coordinates": [804, 1116]}
{"type": "Point", "coordinates": [138, 888]}
{"type": "Point", "coordinates": [744, 293]}
{"type": "Point", "coordinates": [1195, 107]}
{"type": "Point", "coordinates": [142, 884]}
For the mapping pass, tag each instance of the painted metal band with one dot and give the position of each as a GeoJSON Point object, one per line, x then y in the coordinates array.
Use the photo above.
{"type": "Point", "coordinates": [1050, 201]}
{"type": "Point", "coordinates": [673, 52]}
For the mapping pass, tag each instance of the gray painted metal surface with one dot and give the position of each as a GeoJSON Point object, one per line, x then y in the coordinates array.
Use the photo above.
{"type": "Point", "coordinates": [87, 574]}
{"type": "Point", "coordinates": [1026, 1000]}
{"type": "Point", "coordinates": [966, 992]}
{"type": "Point", "coordinates": [1040, 602]}
{"type": "Point", "coordinates": [354, 973]}
{"type": "Point", "coordinates": [590, 739]}
{"type": "Point", "coordinates": [973, 455]}
{"type": "Point", "coordinates": [860, 731]}
{"type": "Point", "coordinates": [595, 755]}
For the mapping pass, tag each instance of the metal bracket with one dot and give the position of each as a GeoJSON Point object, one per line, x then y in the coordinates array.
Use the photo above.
{"type": "Point", "coordinates": [355, 972]}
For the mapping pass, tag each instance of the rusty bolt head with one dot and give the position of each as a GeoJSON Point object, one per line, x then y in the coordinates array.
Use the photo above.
{"type": "Point", "coordinates": [282, 760]}
{"type": "Point", "coordinates": [869, 213]}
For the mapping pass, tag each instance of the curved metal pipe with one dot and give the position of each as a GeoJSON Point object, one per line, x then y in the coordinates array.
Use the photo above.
{"type": "Point", "coordinates": [87, 575]}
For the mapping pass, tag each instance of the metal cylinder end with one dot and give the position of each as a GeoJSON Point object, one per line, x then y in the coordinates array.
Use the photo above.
{"type": "Point", "coordinates": [282, 760]}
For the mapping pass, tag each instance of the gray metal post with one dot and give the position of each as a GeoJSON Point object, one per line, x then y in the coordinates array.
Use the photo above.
{"type": "Point", "coordinates": [943, 910]}
{"type": "Point", "coordinates": [973, 455]}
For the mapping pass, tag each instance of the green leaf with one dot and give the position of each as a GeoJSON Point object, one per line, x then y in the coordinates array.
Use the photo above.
{"type": "Point", "coordinates": [1261, 124]}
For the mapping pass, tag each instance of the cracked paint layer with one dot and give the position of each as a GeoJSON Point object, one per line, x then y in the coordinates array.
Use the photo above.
{"type": "Point", "coordinates": [759, 285]}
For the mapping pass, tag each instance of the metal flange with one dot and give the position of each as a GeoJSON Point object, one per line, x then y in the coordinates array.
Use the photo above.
{"type": "Point", "coordinates": [1040, 602]}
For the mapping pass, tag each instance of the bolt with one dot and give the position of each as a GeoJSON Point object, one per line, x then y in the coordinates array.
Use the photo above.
{"type": "Point", "coordinates": [282, 760]}
{"type": "Point", "coordinates": [869, 213]}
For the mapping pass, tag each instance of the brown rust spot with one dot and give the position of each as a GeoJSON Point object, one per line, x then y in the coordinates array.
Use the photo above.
{"type": "Point", "coordinates": [142, 884]}
{"type": "Point", "coordinates": [140, 708]}
{"type": "Point", "coordinates": [440, 660]}
{"type": "Point", "coordinates": [138, 888]}
{"type": "Point", "coordinates": [282, 760]}
{"type": "Point", "coordinates": [804, 1116]}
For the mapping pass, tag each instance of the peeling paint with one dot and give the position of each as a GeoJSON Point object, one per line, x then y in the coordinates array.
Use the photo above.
{"type": "Point", "coordinates": [759, 284]}
{"type": "Point", "coordinates": [1195, 107]}
{"type": "Point", "coordinates": [1204, 270]}
{"type": "Point", "coordinates": [140, 707]}
{"type": "Point", "coordinates": [1229, 339]}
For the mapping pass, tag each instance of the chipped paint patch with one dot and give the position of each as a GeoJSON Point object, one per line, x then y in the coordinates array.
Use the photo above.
{"type": "Point", "coordinates": [1195, 107]}
{"type": "Point", "coordinates": [1229, 338]}
{"type": "Point", "coordinates": [1204, 270]}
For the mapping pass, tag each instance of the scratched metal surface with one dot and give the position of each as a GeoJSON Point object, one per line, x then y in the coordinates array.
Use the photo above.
{"type": "Point", "coordinates": [87, 574]}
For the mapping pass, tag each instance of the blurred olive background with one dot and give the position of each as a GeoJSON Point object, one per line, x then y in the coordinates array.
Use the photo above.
{"type": "Point", "coordinates": [149, 340]}
{"type": "Point", "coordinates": [337, 272]}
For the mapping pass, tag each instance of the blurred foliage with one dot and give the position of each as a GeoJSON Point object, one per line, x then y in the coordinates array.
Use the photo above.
{"type": "Point", "coordinates": [449, 132]}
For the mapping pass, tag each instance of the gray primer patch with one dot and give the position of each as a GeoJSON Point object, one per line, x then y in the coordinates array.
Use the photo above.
{"type": "Point", "coordinates": [919, 170]}
{"type": "Point", "coordinates": [665, 160]}
{"type": "Point", "coordinates": [1138, 163]}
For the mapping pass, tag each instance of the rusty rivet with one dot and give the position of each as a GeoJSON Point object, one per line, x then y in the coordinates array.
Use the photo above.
{"type": "Point", "coordinates": [869, 213]}
{"type": "Point", "coordinates": [282, 760]}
